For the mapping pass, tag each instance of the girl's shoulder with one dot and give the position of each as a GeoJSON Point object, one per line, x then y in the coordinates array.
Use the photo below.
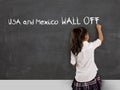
{"type": "Point", "coordinates": [94, 44]}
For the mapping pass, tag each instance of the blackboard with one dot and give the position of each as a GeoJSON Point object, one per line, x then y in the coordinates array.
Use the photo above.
{"type": "Point", "coordinates": [42, 51]}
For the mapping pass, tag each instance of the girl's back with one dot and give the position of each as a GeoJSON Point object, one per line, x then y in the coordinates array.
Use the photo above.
{"type": "Point", "coordinates": [86, 68]}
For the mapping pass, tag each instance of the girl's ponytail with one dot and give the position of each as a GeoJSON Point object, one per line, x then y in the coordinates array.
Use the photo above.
{"type": "Point", "coordinates": [76, 39]}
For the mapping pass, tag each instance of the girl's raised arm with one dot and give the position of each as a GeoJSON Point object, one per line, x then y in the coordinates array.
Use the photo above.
{"type": "Point", "coordinates": [100, 34]}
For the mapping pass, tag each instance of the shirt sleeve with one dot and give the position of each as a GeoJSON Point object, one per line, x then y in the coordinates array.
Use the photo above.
{"type": "Point", "coordinates": [96, 43]}
{"type": "Point", "coordinates": [73, 59]}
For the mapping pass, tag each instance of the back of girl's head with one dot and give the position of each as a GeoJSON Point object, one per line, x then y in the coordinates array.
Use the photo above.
{"type": "Point", "coordinates": [77, 36]}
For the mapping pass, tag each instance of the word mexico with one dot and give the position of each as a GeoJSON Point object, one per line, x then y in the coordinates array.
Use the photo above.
{"type": "Point", "coordinates": [63, 20]}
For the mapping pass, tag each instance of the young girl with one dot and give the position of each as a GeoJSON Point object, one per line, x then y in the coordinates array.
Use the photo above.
{"type": "Point", "coordinates": [82, 57]}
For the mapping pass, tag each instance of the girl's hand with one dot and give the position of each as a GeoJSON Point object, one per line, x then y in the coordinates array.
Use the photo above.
{"type": "Point", "coordinates": [98, 26]}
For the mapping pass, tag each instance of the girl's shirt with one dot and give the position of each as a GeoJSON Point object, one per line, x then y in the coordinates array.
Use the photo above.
{"type": "Point", "coordinates": [86, 68]}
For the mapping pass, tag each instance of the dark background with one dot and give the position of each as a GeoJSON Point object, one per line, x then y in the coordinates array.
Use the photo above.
{"type": "Point", "coordinates": [42, 52]}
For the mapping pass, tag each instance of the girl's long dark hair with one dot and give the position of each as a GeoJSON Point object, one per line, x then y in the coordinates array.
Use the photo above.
{"type": "Point", "coordinates": [77, 36]}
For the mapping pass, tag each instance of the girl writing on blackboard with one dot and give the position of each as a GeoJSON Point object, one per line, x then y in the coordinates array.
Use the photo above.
{"type": "Point", "coordinates": [82, 57]}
